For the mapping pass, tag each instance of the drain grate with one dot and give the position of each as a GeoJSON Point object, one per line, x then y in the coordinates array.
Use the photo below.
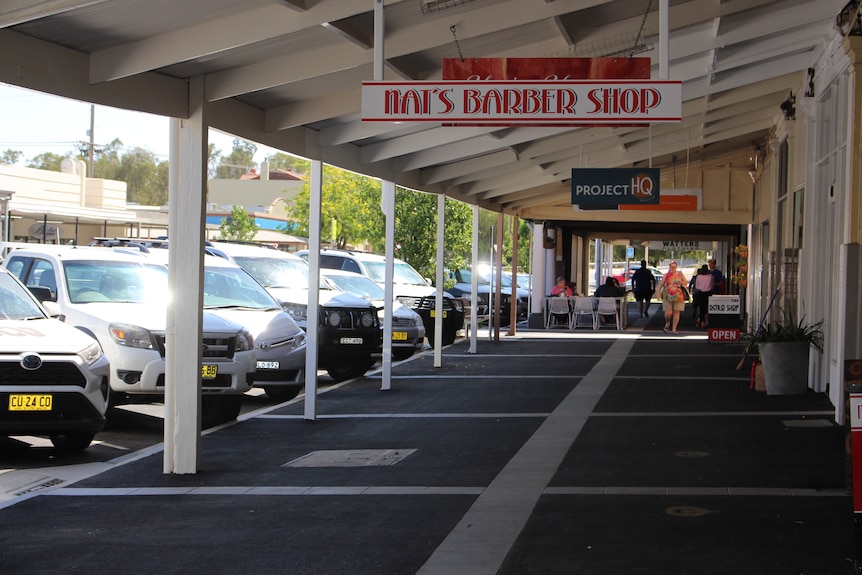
{"type": "Point", "coordinates": [350, 458]}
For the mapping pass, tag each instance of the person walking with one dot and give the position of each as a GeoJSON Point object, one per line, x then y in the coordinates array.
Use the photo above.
{"type": "Point", "coordinates": [717, 278]}
{"type": "Point", "coordinates": [670, 291]}
{"type": "Point", "coordinates": [643, 286]}
{"type": "Point", "coordinates": [703, 284]}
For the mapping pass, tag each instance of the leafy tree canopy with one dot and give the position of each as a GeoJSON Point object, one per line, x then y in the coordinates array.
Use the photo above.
{"type": "Point", "coordinates": [10, 157]}
{"type": "Point", "coordinates": [238, 162]}
{"type": "Point", "coordinates": [239, 226]}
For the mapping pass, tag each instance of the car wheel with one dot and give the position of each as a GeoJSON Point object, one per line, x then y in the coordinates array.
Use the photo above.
{"type": "Point", "coordinates": [354, 368]}
{"type": "Point", "coordinates": [218, 409]}
{"type": "Point", "coordinates": [72, 441]}
{"type": "Point", "coordinates": [281, 393]}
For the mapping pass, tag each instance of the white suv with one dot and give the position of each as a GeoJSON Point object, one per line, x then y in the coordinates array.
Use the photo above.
{"type": "Point", "coordinates": [121, 300]}
{"type": "Point", "coordinates": [53, 377]}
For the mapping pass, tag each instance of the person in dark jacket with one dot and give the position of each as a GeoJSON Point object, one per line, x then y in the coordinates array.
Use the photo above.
{"type": "Point", "coordinates": [643, 286]}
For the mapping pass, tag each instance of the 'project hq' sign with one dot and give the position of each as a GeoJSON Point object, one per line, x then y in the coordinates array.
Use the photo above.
{"type": "Point", "coordinates": [613, 187]}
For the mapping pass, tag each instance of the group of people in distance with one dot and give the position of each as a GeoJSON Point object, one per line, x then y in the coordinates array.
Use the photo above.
{"type": "Point", "coordinates": [671, 290]}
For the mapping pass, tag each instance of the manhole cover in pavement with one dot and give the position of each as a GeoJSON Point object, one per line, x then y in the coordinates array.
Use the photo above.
{"type": "Point", "coordinates": [686, 511]}
{"type": "Point", "coordinates": [350, 458]}
{"type": "Point", "coordinates": [807, 423]}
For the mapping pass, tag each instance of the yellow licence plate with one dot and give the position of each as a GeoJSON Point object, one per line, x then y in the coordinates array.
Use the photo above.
{"type": "Point", "coordinates": [30, 402]}
{"type": "Point", "coordinates": [209, 371]}
{"type": "Point", "coordinates": [434, 310]}
{"type": "Point", "coordinates": [399, 335]}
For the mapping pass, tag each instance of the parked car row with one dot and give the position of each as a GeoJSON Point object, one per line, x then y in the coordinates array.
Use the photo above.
{"type": "Point", "coordinates": [109, 348]}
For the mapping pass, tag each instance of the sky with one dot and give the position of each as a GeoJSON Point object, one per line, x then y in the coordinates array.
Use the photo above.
{"type": "Point", "coordinates": [34, 123]}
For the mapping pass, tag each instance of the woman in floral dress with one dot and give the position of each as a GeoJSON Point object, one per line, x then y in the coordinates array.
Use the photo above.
{"type": "Point", "coordinates": [670, 291]}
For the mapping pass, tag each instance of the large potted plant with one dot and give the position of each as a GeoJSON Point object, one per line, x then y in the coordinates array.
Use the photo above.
{"type": "Point", "coordinates": [784, 349]}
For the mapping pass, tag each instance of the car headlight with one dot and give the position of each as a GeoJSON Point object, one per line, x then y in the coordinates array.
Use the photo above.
{"type": "Point", "coordinates": [300, 340]}
{"type": "Point", "coordinates": [415, 321]}
{"type": "Point", "coordinates": [91, 353]}
{"type": "Point", "coordinates": [297, 311]}
{"type": "Point", "coordinates": [334, 318]}
{"type": "Point", "coordinates": [131, 335]}
{"type": "Point", "coordinates": [366, 319]}
{"type": "Point", "coordinates": [244, 340]}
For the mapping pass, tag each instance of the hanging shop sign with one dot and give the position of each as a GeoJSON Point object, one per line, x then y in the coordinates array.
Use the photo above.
{"type": "Point", "coordinates": [509, 103]}
{"type": "Point", "coordinates": [614, 186]}
{"type": "Point", "coordinates": [680, 245]}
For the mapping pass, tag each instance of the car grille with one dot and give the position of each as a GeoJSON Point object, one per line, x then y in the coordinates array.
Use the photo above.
{"type": "Point", "coordinates": [213, 346]}
{"type": "Point", "coordinates": [51, 373]}
{"type": "Point", "coordinates": [428, 302]}
{"type": "Point", "coordinates": [401, 322]}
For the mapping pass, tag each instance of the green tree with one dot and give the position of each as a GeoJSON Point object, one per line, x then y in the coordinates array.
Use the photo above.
{"type": "Point", "coordinates": [347, 198]}
{"type": "Point", "coordinates": [238, 162]}
{"type": "Point", "coordinates": [46, 161]}
{"type": "Point", "coordinates": [354, 202]}
{"type": "Point", "coordinates": [10, 157]}
{"type": "Point", "coordinates": [146, 179]}
{"type": "Point", "coordinates": [213, 160]}
{"type": "Point", "coordinates": [239, 226]}
{"type": "Point", "coordinates": [281, 161]}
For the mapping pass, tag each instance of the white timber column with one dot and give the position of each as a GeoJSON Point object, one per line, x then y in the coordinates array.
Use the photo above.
{"type": "Point", "coordinates": [498, 275]}
{"type": "Point", "coordinates": [438, 296]}
{"type": "Point", "coordinates": [474, 281]}
{"type": "Point", "coordinates": [539, 283]}
{"type": "Point", "coordinates": [315, 186]}
{"type": "Point", "coordinates": [388, 207]}
{"type": "Point", "coordinates": [513, 302]}
{"type": "Point", "coordinates": [187, 210]}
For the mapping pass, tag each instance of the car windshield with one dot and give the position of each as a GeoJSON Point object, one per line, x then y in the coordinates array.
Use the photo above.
{"type": "Point", "coordinates": [234, 288]}
{"type": "Point", "coordinates": [276, 272]}
{"type": "Point", "coordinates": [15, 302]}
{"type": "Point", "coordinates": [358, 285]}
{"type": "Point", "coordinates": [115, 281]}
{"type": "Point", "coordinates": [402, 273]}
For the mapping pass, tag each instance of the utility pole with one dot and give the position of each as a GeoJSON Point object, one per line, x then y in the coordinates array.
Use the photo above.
{"type": "Point", "coordinates": [92, 145]}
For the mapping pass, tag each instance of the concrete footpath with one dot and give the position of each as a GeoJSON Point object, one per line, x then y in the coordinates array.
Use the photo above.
{"type": "Point", "coordinates": [550, 452]}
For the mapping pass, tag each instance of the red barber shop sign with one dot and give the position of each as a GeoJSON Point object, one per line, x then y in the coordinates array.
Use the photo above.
{"type": "Point", "coordinates": [529, 91]}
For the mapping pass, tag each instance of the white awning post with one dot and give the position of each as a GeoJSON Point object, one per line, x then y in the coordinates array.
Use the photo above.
{"type": "Point", "coordinates": [438, 296]}
{"type": "Point", "coordinates": [474, 282]}
{"type": "Point", "coordinates": [388, 207]}
{"type": "Point", "coordinates": [539, 282]}
{"type": "Point", "coordinates": [187, 211]}
{"type": "Point", "coordinates": [315, 188]}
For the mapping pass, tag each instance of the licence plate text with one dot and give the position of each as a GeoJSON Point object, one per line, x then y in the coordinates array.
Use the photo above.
{"type": "Point", "coordinates": [209, 371]}
{"type": "Point", "coordinates": [399, 335]}
{"type": "Point", "coordinates": [434, 310]}
{"type": "Point", "coordinates": [351, 341]}
{"type": "Point", "coordinates": [267, 365]}
{"type": "Point", "coordinates": [30, 402]}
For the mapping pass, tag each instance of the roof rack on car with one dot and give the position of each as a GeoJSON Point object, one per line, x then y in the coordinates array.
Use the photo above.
{"type": "Point", "coordinates": [248, 243]}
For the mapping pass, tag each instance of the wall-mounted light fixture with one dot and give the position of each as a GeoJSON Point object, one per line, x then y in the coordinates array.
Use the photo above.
{"type": "Point", "coordinates": [788, 107]}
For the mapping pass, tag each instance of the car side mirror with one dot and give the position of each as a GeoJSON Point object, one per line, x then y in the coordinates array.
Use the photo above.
{"type": "Point", "coordinates": [428, 281]}
{"type": "Point", "coordinates": [41, 293]}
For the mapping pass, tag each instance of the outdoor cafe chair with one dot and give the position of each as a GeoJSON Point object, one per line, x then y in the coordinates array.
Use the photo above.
{"type": "Point", "coordinates": [583, 306]}
{"type": "Point", "coordinates": [558, 306]}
